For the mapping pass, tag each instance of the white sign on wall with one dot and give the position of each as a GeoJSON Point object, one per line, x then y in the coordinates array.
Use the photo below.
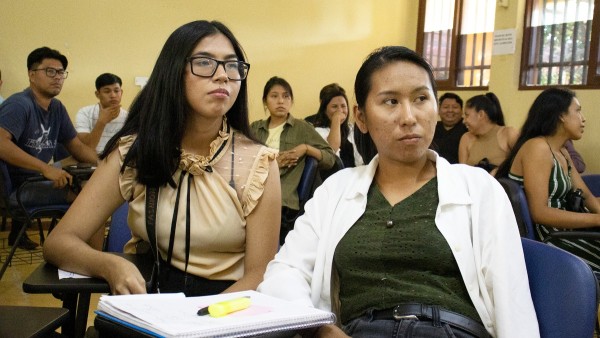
{"type": "Point", "coordinates": [504, 42]}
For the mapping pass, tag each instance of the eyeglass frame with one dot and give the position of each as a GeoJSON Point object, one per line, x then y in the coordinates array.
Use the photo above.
{"type": "Point", "coordinates": [64, 74]}
{"type": "Point", "coordinates": [219, 62]}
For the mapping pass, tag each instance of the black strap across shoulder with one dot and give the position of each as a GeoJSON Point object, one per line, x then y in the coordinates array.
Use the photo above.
{"type": "Point", "coordinates": [151, 204]}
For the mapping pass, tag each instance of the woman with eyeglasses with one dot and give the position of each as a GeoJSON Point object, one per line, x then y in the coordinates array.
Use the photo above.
{"type": "Point", "coordinates": [295, 139]}
{"type": "Point", "coordinates": [185, 158]}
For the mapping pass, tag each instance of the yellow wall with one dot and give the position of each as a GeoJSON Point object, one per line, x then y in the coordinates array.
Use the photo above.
{"type": "Point", "coordinates": [308, 42]}
{"type": "Point", "coordinates": [504, 82]}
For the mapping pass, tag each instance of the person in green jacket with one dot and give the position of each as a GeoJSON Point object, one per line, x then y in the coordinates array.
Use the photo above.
{"type": "Point", "coordinates": [295, 139]}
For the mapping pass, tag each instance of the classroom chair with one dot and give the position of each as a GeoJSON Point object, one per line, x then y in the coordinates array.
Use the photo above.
{"type": "Point", "coordinates": [24, 213]}
{"type": "Point", "coordinates": [118, 232]}
{"type": "Point", "coordinates": [563, 289]}
{"type": "Point", "coordinates": [593, 183]}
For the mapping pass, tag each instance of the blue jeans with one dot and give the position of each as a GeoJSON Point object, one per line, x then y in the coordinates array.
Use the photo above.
{"type": "Point", "coordinates": [366, 326]}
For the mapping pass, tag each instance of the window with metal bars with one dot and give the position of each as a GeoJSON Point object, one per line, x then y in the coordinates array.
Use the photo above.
{"type": "Point", "coordinates": [456, 37]}
{"type": "Point", "coordinates": [560, 44]}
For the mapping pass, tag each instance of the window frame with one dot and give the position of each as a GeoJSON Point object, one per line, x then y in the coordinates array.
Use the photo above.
{"type": "Point", "coordinates": [450, 83]}
{"type": "Point", "coordinates": [593, 79]}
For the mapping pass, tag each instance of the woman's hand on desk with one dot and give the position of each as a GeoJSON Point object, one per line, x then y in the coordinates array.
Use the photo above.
{"type": "Point", "coordinates": [124, 278]}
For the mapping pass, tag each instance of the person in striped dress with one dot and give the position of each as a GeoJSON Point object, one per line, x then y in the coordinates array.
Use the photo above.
{"type": "Point", "coordinates": [542, 164]}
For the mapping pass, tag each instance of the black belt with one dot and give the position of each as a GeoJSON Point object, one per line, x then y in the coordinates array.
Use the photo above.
{"type": "Point", "coordinates": [420, 311]}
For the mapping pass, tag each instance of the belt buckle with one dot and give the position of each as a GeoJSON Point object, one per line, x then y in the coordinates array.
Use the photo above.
{"type": "Point", "coordinates": [398, 316]}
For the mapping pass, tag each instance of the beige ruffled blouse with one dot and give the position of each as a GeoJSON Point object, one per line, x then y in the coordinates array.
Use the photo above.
{"type": "Point", "coordinates": [220, 201]}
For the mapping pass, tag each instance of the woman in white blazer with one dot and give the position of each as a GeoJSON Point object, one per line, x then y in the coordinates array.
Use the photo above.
{"type": "Point", "coordinates": [414, 246]}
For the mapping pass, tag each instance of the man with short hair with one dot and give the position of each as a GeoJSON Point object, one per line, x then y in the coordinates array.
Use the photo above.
{"type": "Point", "coordinates": [32, 123]}
{"type": "Point", "coordinates": [97, 123]}
{"type": "Point", "coordinates": [450, 128]}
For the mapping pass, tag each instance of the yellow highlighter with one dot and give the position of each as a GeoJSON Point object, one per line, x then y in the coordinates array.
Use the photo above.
{"type": "Point", "coordinates": [226, 307]}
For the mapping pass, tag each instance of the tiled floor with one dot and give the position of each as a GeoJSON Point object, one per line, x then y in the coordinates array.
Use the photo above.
{"type": "Point", "coordinates": [23, 263]}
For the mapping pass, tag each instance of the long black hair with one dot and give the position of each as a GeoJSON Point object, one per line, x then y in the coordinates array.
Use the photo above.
{"type": "Point", "coordinates": [378, 59]}
{"type": "Point", "coordinates": [158, 115]}
{"type": "Point", "coordinates": [542, 120]}
{"type": "Point", "coordinates": [322, 120]}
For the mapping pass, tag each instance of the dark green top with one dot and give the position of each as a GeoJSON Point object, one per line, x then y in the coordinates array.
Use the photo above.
{"type": "Point", "coordinates": [383, 264]}
{"type": "Point", "coordinates": [295, 132]}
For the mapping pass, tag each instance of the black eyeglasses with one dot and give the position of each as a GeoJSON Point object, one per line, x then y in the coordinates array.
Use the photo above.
{"type": "Point", "coordinates": [51, 72]}
{"type": "Point", "coordinates": [204, 66]}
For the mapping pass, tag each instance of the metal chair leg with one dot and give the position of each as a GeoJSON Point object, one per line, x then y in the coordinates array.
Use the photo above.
{"type": "Point", "coordinates": [53, 223]}
{"type": "Point", "coordinates": [13, 249]}
{"type": "Point", "coordinates": [41, 230]}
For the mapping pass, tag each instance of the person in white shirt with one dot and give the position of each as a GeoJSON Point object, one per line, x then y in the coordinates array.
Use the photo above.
{"type": "Point", "coordinates": [97, 123]}
{"type": "Point", "coordinates": [331, 122]}
{"type": "Point", "coordinates": [408, 245]}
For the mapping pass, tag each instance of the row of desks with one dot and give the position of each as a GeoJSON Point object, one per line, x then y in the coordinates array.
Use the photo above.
{"type": "Point", "coordinates": [75, 292]}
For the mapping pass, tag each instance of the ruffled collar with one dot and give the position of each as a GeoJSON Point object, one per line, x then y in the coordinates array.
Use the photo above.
{"type": "Point", "coordinates": [198, 164]}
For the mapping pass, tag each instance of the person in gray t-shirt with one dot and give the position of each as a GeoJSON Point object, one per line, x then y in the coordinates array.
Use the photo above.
{"type": "Point", "coordinates": [32, 123]}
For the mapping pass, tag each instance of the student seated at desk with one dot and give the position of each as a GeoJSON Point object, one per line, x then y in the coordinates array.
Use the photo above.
{"type": "Point", "coordinates": [413, 246]}
{"type": "Point", "coordinates": [218, 202]}
{"type": "Point", "coordinates": [32, 123]}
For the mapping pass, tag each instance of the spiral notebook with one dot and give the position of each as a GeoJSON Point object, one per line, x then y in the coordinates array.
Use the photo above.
{"type": "Point", "coordinates": [174, 315]}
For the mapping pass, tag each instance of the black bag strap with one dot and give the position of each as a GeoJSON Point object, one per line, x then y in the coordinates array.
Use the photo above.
{"type": "Point", "coordinates": [151, 204]}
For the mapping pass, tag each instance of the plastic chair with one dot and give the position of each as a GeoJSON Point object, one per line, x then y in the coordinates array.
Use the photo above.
{"type": "Point", "coordinates": [119, 232]}
{"type": "Point", "coordinates": [563, 289]}
{"type": "Point", "coordinates": [308, 181]}
{"type": "Point", "coordinates": [593, 183]}
{"type": "Point", "coordinates": [23, 213]}
{"type": "Point", "coordinates": [337, 166]}
{"type": "Point", "coordinates": [518, 199]}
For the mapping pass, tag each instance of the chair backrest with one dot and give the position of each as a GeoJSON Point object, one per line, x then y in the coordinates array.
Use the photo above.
{"type": "Point", "coordinates": [119, 232]}
{"type": "Point", "coordinates": [564, 291]}
{"type": "Point", "coordinates": [593, 183]}
{"type": "Point", "coordinates": [518, 200]}
{"type": "Point", "coordinates": [307, 180]}
{"type": "Point", "coordinates": [337, 166]}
